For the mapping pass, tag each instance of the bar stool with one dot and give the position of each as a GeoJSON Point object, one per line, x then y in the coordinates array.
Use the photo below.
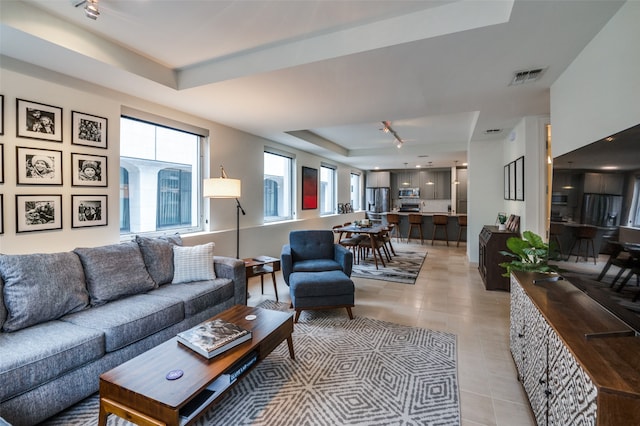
{"type": "Point", "coordinates": [440, 221]}
{"type": "Point", "coordinates": [394, 219]}
{"type": "Point", "coordinates": [555, 230]}
{"type": "Point", "coordinates": [462, 223]}
{"type": "Point", "coordinates": [415, 222]}
{"type": "Point", "coordinates": [585, 233]}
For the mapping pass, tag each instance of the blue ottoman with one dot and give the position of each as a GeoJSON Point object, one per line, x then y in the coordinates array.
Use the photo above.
{"type": "Point", "coordinates": [321, 290]}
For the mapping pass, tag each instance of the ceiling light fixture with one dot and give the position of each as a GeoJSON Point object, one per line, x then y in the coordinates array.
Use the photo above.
{"type": "Point", "coordinates": [90, 8]}
{"type": "Point", "coordinates": [388, 129]}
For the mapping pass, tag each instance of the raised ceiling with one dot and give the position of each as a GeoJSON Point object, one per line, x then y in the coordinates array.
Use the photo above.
{"type": "Point", "coordinates": [321, 75]}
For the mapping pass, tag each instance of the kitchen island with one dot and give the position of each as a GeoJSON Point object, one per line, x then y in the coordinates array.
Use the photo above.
{"type": "Point", "coordinates": [567, 237]}
{"type": "Point", "coordinates": [427, 225]}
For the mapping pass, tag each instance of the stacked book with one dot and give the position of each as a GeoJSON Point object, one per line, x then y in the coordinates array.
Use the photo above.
{"type": "Point", "coordinates": [213, 337]}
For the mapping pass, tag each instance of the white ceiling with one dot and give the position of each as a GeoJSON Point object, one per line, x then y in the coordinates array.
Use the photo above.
{"type": "Point", "coordinates": [321, 75]}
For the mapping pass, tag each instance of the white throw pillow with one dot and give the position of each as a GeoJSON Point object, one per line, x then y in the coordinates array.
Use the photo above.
{"type": "Point", "coordinates": [193, 263]}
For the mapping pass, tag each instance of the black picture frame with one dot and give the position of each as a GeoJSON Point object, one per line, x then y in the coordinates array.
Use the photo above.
{"type": "Point", "coordinates": [340, 208]}
{"type": "Point", "coordinates": [1, 114]}
{"type": "Point", "coordinates": [519, 172]}
{"type": "Point", "coordinates": [506, 182]}
{"type": "Point", "coordinates": [1, 214]}
{"type": "Point", "coordinates": [35, 120]}
{"type": "Point", "coordinates": [89, 211]}
{"type": "Point", "coordinates": [1, 163]}
{"type": "Point", "coordinates": [512, 180]}
{"type": "Point", "coordinates": [38, 212]}
{"type": "Point", "coordinates": [35, 166]}
{"type": "Point", "coordinates": [309, 188]}
{"type": "Point", "coordinates": [88, 130]}
{"type": "Point", "coordinates": [88, 170]}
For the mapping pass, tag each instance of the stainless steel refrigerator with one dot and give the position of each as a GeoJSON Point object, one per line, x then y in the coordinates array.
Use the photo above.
{"type": "Point", "coordinates": [378, 200]}
{"type": "Point", "coordinates": [601, 209]}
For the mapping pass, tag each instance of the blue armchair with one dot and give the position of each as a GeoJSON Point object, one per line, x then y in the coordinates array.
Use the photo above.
{"type": "Point", "coordinates": [314, 251]}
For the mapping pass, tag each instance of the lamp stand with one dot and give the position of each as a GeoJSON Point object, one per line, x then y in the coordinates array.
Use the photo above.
{"type": "Point", "coordinates": [238, 210]}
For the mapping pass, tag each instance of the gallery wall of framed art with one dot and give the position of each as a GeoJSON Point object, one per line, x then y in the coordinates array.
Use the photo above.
{"type": "Point", "coordinates": [514, 180]}
{"type": "Point", "coordinates": [44, 187]}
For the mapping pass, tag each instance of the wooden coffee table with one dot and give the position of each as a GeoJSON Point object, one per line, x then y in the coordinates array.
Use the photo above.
{"type": "Point", "coordinates": [140, 392]}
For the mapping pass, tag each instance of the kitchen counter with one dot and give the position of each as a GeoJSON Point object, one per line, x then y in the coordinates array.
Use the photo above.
{"type": "Point", "coordinates": [604, 234]}
{"type": "Point", "coordinates": [427, 225]}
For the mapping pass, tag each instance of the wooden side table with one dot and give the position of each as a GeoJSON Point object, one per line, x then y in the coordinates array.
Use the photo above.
{"type": "Point", "coordinates": [259, 266]}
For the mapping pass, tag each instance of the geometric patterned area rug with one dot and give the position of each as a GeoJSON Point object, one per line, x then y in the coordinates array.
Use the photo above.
{"type": "Point", "coordinates": [403, 268]}
{"type": "Point", "coordinates": [346, 372]}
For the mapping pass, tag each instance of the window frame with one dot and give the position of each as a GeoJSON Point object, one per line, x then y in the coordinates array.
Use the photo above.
{"type": "Point", "coordinates": [290, 200]}
{"type": "Point", "coordinates": [333, 195]}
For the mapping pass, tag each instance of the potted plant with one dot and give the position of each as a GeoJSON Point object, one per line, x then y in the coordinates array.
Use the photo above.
{"type": "Point", "coordinates": [530, 254]}
{"type": "Point", "coordinates": [502, 218]}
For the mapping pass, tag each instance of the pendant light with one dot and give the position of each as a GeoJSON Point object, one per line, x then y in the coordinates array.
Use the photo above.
{"type": "Point", "coordinates": [405, 181]}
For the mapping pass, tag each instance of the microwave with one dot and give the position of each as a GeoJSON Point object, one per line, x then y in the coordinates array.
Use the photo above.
{"type": "Point", "coordinates": [559, 199]}
{"type": "Point", "coordinates": [409, 193]}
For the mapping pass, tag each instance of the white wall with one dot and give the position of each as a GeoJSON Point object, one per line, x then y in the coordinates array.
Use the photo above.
{"type": "Point", "coordinates": [239, 152]}
{"type": "Point", "coordinates": [599, 93]}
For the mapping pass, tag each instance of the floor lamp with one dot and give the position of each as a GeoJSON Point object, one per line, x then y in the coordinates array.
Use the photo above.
{"type": "Point", "coordinates": [223, 187]}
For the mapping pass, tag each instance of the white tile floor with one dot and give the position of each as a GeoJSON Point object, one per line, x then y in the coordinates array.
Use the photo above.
{"type": "Point", "coordinates": [449, 295]}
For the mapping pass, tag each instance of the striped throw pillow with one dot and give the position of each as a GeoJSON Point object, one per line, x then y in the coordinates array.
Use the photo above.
{"type": "Point", "coordinates": [193, 263]}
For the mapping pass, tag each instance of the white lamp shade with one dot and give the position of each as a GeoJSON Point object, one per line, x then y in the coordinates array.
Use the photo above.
{"type": "Point", "coordinates": [222, 188]}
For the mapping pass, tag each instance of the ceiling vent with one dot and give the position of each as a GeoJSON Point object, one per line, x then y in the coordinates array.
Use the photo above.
{"type": "Point", "coordinates": [492, 131]}
{"type": "Point", "coordinates": [527, 76]}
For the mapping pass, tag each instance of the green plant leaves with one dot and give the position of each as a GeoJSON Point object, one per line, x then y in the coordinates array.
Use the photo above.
{"type": "Point", "coordinates": [530, 254]}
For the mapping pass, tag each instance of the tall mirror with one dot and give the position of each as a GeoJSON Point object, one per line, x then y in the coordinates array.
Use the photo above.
{"type": "Point", "coordinates": [595, 220]}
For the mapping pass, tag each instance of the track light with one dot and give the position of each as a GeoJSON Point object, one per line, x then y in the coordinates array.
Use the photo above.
{"type": "Point", "coordinates": [90, 8]}
{"type": "Point", "coordinates": [388, 129]}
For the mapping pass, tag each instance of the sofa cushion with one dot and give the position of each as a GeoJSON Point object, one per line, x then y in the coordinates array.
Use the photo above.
{"type": "Point", "coordinates": [42, 352]}
{"type": "Point", "coordinates": [157, 254]}
{"type": "Point", "coordinates": [114, 271]}
{"type": "Point", "coordinates": [128, 320]}
{"type": "Point", "coordinates": [193, 263]}
{"type": "Point", "coordinates": [311, 244]}
{"type": "Point", "coordinates": [197, 296]}
{"type": "Point", "coordinates": [41, 287]}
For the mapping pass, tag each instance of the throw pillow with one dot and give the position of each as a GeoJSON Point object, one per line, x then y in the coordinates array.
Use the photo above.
{"type": "Point", "coordinates": [114, 271]}
{"type": "Point", "coordinates": [158, 256]}
{"type": "Point", "coordinates": [193, 263]}
{"type": "Point", "coordinates": [3, 310]}
{"type": "Point", "coordinates": [41, 287]}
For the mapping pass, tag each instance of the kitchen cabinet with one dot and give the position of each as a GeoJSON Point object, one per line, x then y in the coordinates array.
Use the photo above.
{"type": "Point", "coordinates": [603, 183]}
{"type": "Point", "coordinates": [575, 360]}
{"type": "Point", "coordinates": [461, 191]}
{"type": "Point", "coordinates": [435, 184]}
{"type": "Point", "coordinates": [378, 180]}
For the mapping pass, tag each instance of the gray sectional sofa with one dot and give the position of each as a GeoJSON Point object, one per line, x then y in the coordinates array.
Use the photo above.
{"type": "Point", "coordinates": [67, 317]}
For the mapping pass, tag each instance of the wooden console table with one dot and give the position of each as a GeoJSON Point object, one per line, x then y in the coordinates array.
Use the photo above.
{"type": "Point", "coordinates": [491, 242]}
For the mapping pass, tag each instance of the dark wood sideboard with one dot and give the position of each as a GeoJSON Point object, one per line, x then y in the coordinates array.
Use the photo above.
{"type": "Point", "coordinates": [491, 242]}
{"type": "Point", "coordinates": [577, 362]}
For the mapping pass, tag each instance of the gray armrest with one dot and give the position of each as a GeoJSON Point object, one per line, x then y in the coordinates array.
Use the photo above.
{"type": "Point", "coordinates": [344, 257]}
{"type": "Point", "coordinates": [229, 267]}
{"type": "Point", "coordinates": [286, 262]}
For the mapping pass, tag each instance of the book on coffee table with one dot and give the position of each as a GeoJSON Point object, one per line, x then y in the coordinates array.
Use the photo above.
{"type": "Point", "coordinates": [213, 337]}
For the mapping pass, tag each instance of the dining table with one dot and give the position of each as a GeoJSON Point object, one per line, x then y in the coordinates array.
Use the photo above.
{"type": "Point", "coordinates": [625, 256]}
{"type": "Point", "coordinates": [370, 231]}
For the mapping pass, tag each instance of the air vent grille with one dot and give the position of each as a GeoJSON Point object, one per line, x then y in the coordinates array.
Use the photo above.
{"type": "Point", "coordinates": [527, 76]}
{"type": "Point", "coordinates": [492, 131]}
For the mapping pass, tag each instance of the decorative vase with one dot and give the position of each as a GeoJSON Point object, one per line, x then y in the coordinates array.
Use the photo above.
{"type": "Point", "coordinates": [502, 227]}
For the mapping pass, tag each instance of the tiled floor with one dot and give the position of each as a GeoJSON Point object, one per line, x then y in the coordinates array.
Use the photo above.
{"type": "Point", "coordinates": [449, 295]}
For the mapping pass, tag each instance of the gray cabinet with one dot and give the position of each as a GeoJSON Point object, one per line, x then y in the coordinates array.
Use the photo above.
{"type": "Point", "coordinates": [435, 184]}
{"type": "Point", "coordinates": [603, 183]}
{"type": "Point", "coordinates": [378, 180]}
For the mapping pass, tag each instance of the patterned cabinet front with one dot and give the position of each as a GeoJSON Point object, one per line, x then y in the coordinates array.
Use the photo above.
{"type": "Point", "coordinates": [516, 326]}
{"type": "Point", "coordinates": [536, 378]}
{"type": "Point", "coordinates": [572, 399]}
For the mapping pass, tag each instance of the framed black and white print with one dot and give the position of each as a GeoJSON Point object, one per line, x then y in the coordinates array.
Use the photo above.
{"type": "Point", "coordinates": [88, 170]}
{"type": "Point", "coordinates": [88, 210]}
{"type": "Point", "coordinates": [519, 164]}
{"type": "Point", "coordinates": [512, 180]}
{"type": "Point", "coordinates": [1, 163]}
{"type": "Point", "coordinates": [1, 114]}
{"type": "Point", "coordinates": [88, 130]}
{"type": "Point", "coordinates": [38, 121]}
{"type": "Point", "coordinates": [506, 182]}
{"type": "Point", "coordinates": [1, 215]}
{"type": "Point", "coordinates": [38, 212]}
{"type": "Point", "coordinates": [38, 166]}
